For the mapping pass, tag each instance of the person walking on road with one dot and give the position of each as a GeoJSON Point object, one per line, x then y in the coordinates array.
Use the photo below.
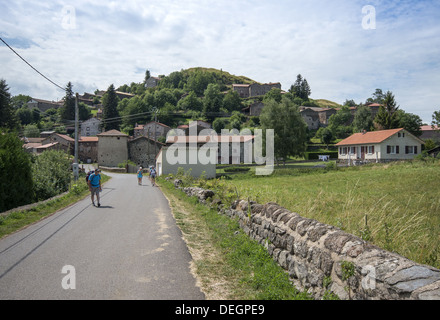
{"type": "Point", "coordinates": [95, 186]}
{"type": "Point", "coordinates": [139, 175]}
{"type": "Point", "coordinates": [152, 175]}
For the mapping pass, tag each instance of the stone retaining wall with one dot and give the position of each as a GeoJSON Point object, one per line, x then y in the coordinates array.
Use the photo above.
{"type": "Point", "coordinates": [323, 259]}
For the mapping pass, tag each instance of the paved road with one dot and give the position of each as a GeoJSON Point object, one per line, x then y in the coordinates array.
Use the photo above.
{"type": "Point", "coordinates": [129, 248]}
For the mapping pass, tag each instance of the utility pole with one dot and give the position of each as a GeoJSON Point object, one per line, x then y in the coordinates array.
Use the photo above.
{"type": "Point", "coordinates": [75, 164]}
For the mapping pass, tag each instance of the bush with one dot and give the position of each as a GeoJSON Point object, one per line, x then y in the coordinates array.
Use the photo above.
{"type": "Point", "coordinates": [16, 186]}
{"type": "Point", "coordinates": [51, 174]}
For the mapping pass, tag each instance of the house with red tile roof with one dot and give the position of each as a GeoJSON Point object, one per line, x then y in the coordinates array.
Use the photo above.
{"type": "Point", "coordinates": [379, 146]}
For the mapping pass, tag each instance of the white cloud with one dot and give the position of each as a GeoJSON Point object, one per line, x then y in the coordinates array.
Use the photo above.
{"type": "Point", "coordinates": [268, 41]}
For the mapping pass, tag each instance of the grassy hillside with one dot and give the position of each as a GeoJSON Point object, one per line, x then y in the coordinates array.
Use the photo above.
{"type": "Point", "coordinates": [327, 103]}
{"type": "Point", "coordinates": [395, 206]}
{"type": "Point", "coordinates": [228, 79]}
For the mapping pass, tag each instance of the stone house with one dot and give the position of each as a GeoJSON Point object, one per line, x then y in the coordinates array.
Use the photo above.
{"type": "Point", "coordinates": [311, 117]}
{"type": "Point", "coordinates": [44, 105]}
{"type": "Point", "coordinates": [254, 110]}
{"type": "Point", "coordinates": [152, 82]}
{"type": "Point", "coordinates": [428, 132]}
{"type": "Point", "coordinates": [112, 148]}
{"type": "Point", "coordinates": [66, 143]}
{"type": "Point", "coordinates": [154, 130]}
{"type": "Point", "coordinates": [88, 149]}
{"type": "Point", "coordinates": [90, 127]}
{"type": "Point", "coordinates": [143, 151]}
{"type": "Point", "coordinates": [254, 89]}
{"type": "Point", "coordinates": [379, 146]}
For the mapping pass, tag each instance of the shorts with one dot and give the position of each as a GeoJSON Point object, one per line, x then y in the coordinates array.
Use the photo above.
{"type": "Point", "coordinates": [95, 190]}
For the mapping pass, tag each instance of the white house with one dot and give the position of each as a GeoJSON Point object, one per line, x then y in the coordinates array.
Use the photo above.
{"type": "Point", "coordinates": [379, 146]}
{"type": "Point", "coordinates": [199, 161]}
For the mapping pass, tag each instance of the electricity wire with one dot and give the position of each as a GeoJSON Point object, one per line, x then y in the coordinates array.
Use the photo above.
{"type": "Point", "coordinates": [32, 66]}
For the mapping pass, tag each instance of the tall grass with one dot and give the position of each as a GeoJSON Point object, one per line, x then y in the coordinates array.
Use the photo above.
{"type": "Point", "coordinates": [395, 206]}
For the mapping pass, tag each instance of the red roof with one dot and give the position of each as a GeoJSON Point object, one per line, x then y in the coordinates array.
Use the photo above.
{"type": "Point", "coordinates": [371, 137]}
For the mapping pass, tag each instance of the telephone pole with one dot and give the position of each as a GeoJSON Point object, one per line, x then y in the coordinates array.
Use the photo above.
{"type": "Point", "coordinates": [75, 164]}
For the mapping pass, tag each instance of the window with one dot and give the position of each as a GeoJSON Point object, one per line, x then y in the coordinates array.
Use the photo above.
{"type": "Point", "coordinates": [393, 149]}
{"type": "Point", "coordinates": [370, 149]}
{"type": "Point", "coordinates": [411, 150]}
{"type": "Point", "coordinates": [352, 150]}
{"type": "Point", "coordinates": [343, 151]}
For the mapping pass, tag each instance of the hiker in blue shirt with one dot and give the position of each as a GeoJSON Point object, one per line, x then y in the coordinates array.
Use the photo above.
{"type": "Point", "coordinates": [139, 175]}
{"type": "Point", "coordinates": [95, 186]}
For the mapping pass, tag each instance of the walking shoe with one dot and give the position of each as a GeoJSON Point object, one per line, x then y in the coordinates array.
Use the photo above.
{"type": "Point", "coordinates": [93, 202]}
{"type": "Point", "coordinates": [99, 204]}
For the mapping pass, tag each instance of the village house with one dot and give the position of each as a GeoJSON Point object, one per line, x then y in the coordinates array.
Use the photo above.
{"type": "Point", "coordinates": [143, 151]}
{"type": "Point", "coordinates": [152, 82]}
{"type": "Point", "coordinates": [154, 130]}
{"type": "Point", "coordinates": [90, 127]}
{"type": "Point", "coordinates": [430, 132]}
{"type": "Point", "coordinates": [253, 110]}
{"type": "Point", "coordinates": [44, 105]}
{"type": "Point", "coordinates": [167, 164]}
{"type": "Point", "coordinates": [379, 146]}
{"type": "Point", "coordinates": [88, 149]}
{"type": "Point", "coordinates": [254, 89]}
{"type": "Point", "coordinates": [66, 143]}
{"type": "Point", "coordinates": [112, 148]}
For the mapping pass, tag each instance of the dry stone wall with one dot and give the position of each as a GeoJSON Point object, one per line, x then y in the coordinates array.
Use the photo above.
{"type": "Point", "coordinates": [324, 259]}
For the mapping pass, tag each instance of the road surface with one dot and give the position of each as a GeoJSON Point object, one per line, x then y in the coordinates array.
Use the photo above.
{"type": "Point", "coordinates": [129, 248]}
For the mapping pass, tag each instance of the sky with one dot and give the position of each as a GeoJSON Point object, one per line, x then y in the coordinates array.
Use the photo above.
{"type": "Point", "coordinates": [346, 49]}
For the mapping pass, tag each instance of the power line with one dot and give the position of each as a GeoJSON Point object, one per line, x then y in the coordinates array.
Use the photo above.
{"type": "Point", "coordinates": [32, 66]}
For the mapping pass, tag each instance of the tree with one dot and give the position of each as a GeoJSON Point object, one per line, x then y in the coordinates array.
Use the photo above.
{"type": "Point", "coordinates": [232, 101]}
{"type": "Point", "coordinates": [212, 101]}
{"type": "Point", "coordinates": [300, 89]}
{"type": "Point", "coordinates": [110, 115]}
{"type": "Point", "coordinates": [436, 120]}
{"type": "Point", "coordinates": [387, 117]}
{"type": "Point", "coordinates": [16, 185]}
{"type": "Point", "coordinates": [274, 94]}
{"type": "Point", "coordinates": [290, 130]}
{"type": "Point", "coordinates": [147, 76]}
{"type": "Point", "coordinates": [340, 123]}
{"type": "Point", "coordinates": [378, 97]}
{"type": "Point", "coordinates": [8, 119]}
{"type": "Point", "coordinates": [31, 131]}
{"type": "Point", "coordinates": [68, 108]}
{"type": "Point", "coordinates": [190, 102]}
{"type": "Point", "coordinates": [325, 135]}
{"type": "Point", "coordinates": [410, 122]}
{"type": "Point", "coordinates": [363, 119]}
{"type": "Point", "coordinates": [51, 174]}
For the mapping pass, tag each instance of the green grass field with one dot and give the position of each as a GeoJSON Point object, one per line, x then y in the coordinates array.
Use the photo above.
{"type": "Point", "coordinates": [395, 206]}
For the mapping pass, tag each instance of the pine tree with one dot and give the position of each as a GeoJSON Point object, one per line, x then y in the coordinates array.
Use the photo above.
{"type": "Point", "coordinates": [68, 109]}
{"type": "Point", "coordinates": [110, 113]}
{"type": "Point", "coordinates": [387, 117]}
{"type": "Point", "coordinates": [8, 118]}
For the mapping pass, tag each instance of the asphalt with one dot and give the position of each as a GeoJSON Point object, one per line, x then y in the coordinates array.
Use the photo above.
{"type": "Point", "coordinates": [128, 249]}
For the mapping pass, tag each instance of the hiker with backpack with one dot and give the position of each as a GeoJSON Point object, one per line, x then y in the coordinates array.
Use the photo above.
{"type": "Point", "coordinates": [94, 182]}
{"type": "Point", "coordinates": [152, 175]}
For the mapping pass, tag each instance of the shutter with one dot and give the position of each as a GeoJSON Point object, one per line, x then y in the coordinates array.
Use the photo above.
{"type": "Point", "coordinates": [415, 150]}
{"type": "Point", "coordinates": [373, 150]}
{"type": "Point", "coordinates": [406, 149]}
{"type": "Point", "coordinates": [388, 149]}
{"type": "Point", "coordinates": [397, 149]}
